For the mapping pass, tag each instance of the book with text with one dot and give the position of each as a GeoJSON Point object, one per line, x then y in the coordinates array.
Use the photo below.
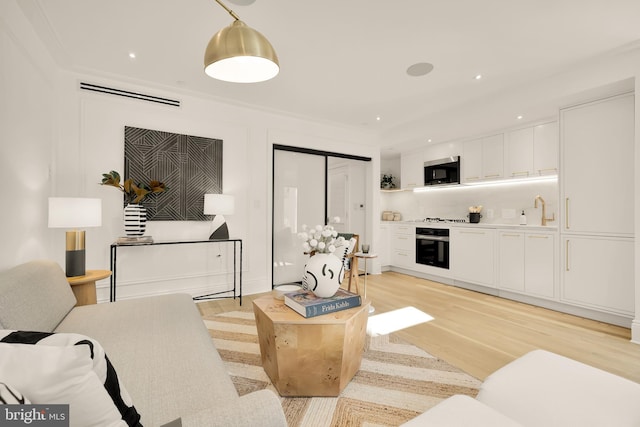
{"type": "Point", "coordinates": [307, 304]}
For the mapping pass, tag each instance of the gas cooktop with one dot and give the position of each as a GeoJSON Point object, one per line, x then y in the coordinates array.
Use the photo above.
{"type": "Point", "coordinates": [443, 220]}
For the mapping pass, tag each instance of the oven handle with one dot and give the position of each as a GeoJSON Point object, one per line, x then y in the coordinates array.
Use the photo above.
{"type": "Point", "coordinates": [434, 238]}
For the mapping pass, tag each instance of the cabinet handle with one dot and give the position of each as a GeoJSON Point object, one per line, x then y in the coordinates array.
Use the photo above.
{"type": "Point", "coordinates": [541, 171]}
{"type": "Point", "coordinates": [566, 256]}
{"type": "Point", "coordinates": [537, 236]}
{"type": "Point", "coordinates": [495, 175]}
{"type": "Point", "coordinates": [401, 254]}
{"type": "Point", "coordinates": [402, 238]}
{"type": "Point", "coordinates": [526, 173]}
{"type": "Point", "coordinates": [511, 235]}
{"type": "Point", "coordinates": [566, 213]}
{"type": "Point", "coordinates": [471, 177]}
{"type": "Point", "coordinates": [472, 232]}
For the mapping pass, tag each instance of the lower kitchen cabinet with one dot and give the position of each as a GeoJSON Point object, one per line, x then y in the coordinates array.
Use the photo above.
{"type": "Point", "coordinates": [472, 255]}
{"type": "Point", "coordinates": [383, 251]}
{"type": "Point", "coordinates": [403, 244]}
{"type": "Point", "coordinates": [527, 263]}
{"type": "Point", "coordinates": [598, 272]}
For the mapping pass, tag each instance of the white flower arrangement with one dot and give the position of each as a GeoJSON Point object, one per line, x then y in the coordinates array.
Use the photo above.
{"type": "Point", "coordinates": [320, 239]}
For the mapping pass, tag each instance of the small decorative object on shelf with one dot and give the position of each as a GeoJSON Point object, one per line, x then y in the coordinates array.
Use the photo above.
{"type": "Point", "coordinates": [386, 182]}
{"type": "Point", "coordinates": [307, 304]}
{"type": "Point", "coordinates": [135, 215]}
{"type": "Point", "coordinates": [134, 240]}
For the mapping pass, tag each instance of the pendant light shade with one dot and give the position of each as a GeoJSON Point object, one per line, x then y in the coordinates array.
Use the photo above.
{"type": "Point", "coordinates": [240, 54]}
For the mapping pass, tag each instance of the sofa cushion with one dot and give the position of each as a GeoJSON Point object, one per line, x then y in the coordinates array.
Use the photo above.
{"type": "Point", "coordinates": [546, 389]}
{"type": "Point", "coordinates": [59, 375]}
{"type": "Point", "coordinates": [461, 411]}
{"type": "Point", "coordinates": [34, 296]}
{"type": "Point", "coordinates": [101, 365]}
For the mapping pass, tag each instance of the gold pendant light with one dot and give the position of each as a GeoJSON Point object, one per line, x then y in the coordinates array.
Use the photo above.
{"type": "Point", "coordinates": [240, 54]}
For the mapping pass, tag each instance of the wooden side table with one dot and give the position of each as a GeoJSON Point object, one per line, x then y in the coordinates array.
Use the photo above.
{"type": "Point", "coordinates": [84, 287]}
{"type": "Point", "coordinates": [315, 356]}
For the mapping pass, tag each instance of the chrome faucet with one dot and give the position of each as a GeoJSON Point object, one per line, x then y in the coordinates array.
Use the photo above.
{"type": "Point", "coordinates": [544, 210]}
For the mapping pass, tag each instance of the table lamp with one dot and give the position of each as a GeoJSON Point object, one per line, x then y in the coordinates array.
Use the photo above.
{"type": "Point", "coordinates": [75, 213]}
{"type": "Point", "coordinates": [218, 205]}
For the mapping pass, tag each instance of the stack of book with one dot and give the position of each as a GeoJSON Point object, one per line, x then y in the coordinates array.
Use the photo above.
{"type": "Point", "coordinates": [307, 304]}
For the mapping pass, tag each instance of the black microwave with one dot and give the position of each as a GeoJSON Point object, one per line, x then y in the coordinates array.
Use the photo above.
{"type": "Point", "coordinates": [442, 171]}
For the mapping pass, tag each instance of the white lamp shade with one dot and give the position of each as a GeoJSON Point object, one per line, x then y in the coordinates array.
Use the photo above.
{"type": "Point", "coordinates": [74, 212]}
{"type": "Point", "coordinates": [218, 204]}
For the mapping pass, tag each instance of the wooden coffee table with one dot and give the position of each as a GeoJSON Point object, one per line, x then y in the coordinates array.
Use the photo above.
{"type": "Point", "coordinates": [315, 356]}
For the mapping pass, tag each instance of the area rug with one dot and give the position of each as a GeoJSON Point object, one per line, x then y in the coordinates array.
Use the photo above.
{"type": "Point", "coordinates": [396, 382]}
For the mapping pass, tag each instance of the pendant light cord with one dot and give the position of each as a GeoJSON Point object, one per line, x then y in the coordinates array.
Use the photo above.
{"type": "Point", "coordinates": [231, 12]}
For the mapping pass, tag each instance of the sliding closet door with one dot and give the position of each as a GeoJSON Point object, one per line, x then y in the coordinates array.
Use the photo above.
{"type": "Point", "coordinates": [298, 198]}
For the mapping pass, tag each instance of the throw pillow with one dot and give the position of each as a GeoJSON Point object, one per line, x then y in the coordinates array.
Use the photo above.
{"type": "Point", "coordinates": [11, 396]}
{"type": "Point", "coordinates": [60, 375]}
{"type": "Point", "coordinates": [101, 365]}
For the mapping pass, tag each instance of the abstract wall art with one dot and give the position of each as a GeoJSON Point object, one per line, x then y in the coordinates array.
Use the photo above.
{"type": "Point", "coordinates": [190, 166]}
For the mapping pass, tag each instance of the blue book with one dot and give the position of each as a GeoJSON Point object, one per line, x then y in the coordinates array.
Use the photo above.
{"type": "Point", "coordinates": [307, 304]}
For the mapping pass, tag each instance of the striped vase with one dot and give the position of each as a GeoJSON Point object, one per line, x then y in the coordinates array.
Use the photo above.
{"type": "Point", "coordinates": [135, 220]}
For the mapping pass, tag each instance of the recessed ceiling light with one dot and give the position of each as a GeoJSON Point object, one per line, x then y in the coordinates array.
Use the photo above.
{"type": "Point", "coordinates": [132, 55]}
{"type": "Point", "coordinates": [478, 76]}
{"type": "Point", "coordinates": [378, 118]}
{"type": "Point", "coordinates": [519, 117]}
{"type": "Point", "coordinates": [419, 69]}
{"type": "Point", "coordinates": [429, 140]}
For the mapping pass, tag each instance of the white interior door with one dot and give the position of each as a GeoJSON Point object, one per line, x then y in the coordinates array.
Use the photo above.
{"type": "Point", "coordinates": [298, 199]}
{"type": "Point", "coordinates": [338, 199]}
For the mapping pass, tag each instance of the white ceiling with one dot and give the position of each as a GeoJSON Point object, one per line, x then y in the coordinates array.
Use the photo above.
{"type": "Point", "coordinates": [343, 61]}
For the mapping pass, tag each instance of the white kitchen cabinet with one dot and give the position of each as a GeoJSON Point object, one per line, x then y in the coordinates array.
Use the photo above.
{"type": "Point", "coordinates": [519, 149]}
{"type": "Point", "coordinates": [471, 162]}
{"type": "Point", "coordinates": [483, 158]}
{"type": "Point", "coordinates": [599, 273]}
{"type": "Point", "coordinates": [598, 167]}
{"type": "Point", "coordinates": [532, 151]}
{"type": "Point", "coordinates": [403, 243]}
{"type": "Point", "coordinates": [412, 170]}
{"type": "Point", "coordinates": [540, 264]}
{"type": "Point", "coordinates": [545, 149]}
{"type": "Point", "coordinates": [512, 260]}
{"type": "Point", "coordinates": [384, 250]}
{"type": "Point", "coordinates": [527, 263]}
{"type": "Point", "coordinates": [472, 255]}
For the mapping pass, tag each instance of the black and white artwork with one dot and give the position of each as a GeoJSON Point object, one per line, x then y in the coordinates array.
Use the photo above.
{"type": "Point", "coordinates": [190, 166]}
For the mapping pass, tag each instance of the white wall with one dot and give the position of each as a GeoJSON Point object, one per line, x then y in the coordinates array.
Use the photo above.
{"type": "Point", "coordinates": [49, 124]}
{"type": "Point", "coordinates": [27, 94]}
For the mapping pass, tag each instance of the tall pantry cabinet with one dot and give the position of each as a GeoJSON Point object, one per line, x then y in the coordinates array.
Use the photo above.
{"type": "Point", "coordinates": [597, 204]}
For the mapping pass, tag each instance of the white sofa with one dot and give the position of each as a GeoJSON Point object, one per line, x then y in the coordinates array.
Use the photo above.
{"type": "Point", "coordinates": [159, 346]}
{"type": "Point", "coordinates": [542, 389]}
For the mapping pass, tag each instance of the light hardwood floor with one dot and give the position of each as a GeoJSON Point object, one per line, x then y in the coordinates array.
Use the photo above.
{"type": "Point", "coordinates": [480, 333]}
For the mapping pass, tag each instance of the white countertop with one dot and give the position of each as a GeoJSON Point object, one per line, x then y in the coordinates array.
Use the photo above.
{"type": "Point", "coordinates": [481, 224]}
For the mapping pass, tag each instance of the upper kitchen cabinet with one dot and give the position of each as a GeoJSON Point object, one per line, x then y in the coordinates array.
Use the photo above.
{"type": "Point", "coordinates": [532, 151]}
{"type": "Point", "coordinates": [412, 170]}
{"type": "Point", "coordinates": [598, 167]}
{"type": "Point", "coordinates": [483, 158]}
{"type": "Point", "coordinates": [545, 149]}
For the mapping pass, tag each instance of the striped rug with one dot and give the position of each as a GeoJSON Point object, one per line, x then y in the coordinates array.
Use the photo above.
{"type": "Point", "coordinates": [396, 382]}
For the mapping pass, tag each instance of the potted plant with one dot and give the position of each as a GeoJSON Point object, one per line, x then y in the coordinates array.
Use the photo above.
{"type": "Point", "coordinates": [134, 193]}
{"type": "Point", "coordinates": [386, 181]}
{"type": "Point", "coordinates": [135, 215]}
